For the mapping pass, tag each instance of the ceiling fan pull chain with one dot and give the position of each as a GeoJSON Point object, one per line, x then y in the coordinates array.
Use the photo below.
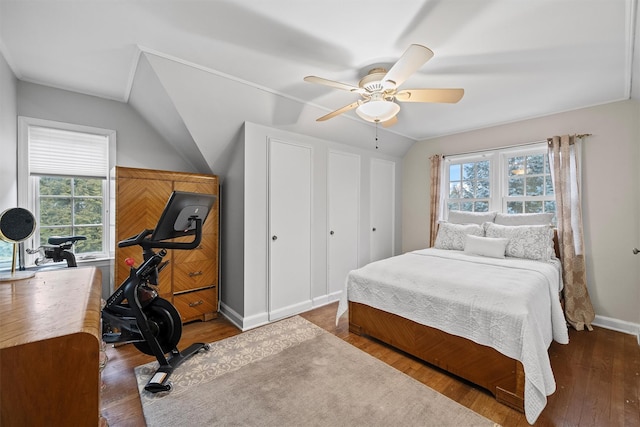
{"type": "Point", "coordinates": [377, 121]}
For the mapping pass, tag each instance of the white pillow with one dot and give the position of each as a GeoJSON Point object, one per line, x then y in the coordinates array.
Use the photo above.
{"type": "Point", "coordinates": [452, 236]}
{"type": "Point", "coordinates": [525, 241]}
{"type": "Point", "coordinates": [524, 219]}
{"type": "Point", "coordinates": [463, 217]}
{"type": "Point", "coordinates": [493, 247]}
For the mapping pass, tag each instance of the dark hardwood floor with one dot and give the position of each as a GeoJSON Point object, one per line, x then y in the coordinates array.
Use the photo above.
{"type": "Point", "coordinates": [597, 376]}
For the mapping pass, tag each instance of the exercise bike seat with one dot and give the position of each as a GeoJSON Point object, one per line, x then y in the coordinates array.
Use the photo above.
{"type": "Point", "coordinates": [59, 240]}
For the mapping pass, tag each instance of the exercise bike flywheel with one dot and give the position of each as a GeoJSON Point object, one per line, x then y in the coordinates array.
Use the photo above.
{"type": "Point", "coordinates": [166, 325]}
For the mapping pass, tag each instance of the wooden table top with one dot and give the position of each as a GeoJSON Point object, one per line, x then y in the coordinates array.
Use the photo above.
{"type": "Point", "coordinates": [53, 303]}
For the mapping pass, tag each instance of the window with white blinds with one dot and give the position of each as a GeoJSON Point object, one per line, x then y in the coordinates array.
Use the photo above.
{"type": "Point", "coordinates": [58, 152]}
{"type": "Point", "coordinates": [63, 178]}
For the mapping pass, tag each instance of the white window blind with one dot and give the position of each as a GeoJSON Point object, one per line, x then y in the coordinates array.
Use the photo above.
{"type": "Point", "coordinates": [57, 152]}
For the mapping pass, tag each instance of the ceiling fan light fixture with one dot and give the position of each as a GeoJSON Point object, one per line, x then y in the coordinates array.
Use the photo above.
{"type": "Point", "coordinates": [378, 110]}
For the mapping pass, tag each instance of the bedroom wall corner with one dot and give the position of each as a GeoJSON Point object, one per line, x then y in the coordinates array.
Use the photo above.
{"type": "Point", "coordinates": [138, 144]}
{"type": "Point", "coordinates": [232, 234]}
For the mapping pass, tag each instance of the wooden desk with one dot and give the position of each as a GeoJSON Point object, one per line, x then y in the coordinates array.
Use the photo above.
{"type": "Point", "coordinates": [49, 349]}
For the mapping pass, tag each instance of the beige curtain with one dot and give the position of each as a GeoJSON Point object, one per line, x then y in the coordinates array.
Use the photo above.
{"type": "Point", "coordinates": [564, 160]}
{"type": "Point", "coordinates": [436, 166]}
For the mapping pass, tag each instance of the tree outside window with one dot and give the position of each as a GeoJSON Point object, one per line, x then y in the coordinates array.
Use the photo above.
{"type": "Point", "coordinates": [71, 206]}
{"type": "Point", "coordinates": [469, 186]}
{"type": "Point", "coordinates": [529, 184]}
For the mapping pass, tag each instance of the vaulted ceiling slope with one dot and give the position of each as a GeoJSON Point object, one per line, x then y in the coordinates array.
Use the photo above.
{"type": "Point", "coordinates": [223, 62]}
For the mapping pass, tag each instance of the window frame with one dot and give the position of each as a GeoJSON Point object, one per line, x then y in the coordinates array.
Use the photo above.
{"type": "Point", "coordinates": [498, 175]}
{"type": "Point", "coordinates": [28, 186]}
{"type": "Point", "coordinates": [470, 158]}
{"type": "Point", "coordinates": [530, 150]}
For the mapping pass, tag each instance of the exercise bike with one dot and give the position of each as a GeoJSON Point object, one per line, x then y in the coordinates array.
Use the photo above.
{"type": "Point", "coordinates": [57, 250]}
{"type": "Point", "coordinates": [135, 313]}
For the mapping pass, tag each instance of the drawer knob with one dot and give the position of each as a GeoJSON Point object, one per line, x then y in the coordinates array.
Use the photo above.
{"type": "Point", "coordinates": [196, 303]}
{"type": "Point", "coordinates": [195, 273]}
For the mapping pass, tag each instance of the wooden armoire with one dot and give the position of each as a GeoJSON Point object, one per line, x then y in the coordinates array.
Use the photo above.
{"type": "Point", "coordinates": [190, 280]}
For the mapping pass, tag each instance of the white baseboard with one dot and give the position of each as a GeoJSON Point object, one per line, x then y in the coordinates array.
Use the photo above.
{"type": "Point", "coordinates": [243, 323]}
{"type": "Point", "coordinates": [231, 315]}
{"type": "Point", "coordinates": [326, 299]}
{"type": "Point", "coordinates": [618, 325]}
{"type": "Point", "coordinates": [260, 319]}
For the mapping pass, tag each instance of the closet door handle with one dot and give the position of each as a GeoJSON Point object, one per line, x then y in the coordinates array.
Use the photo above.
{"type": "Point", "coordinates": [331, 232]}
{"type": "Point", "coordinates": [274, 238]}
{"type": "Point", "coordinates": [636, 251]}
{"type": "Point", "coordinates": [374, 229]}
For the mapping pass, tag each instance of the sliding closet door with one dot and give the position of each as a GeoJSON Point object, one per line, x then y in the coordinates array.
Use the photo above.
{"type": "Point", "coordinates": [290, 228]}
{"type": "Point", "coordinates": [382, 200]}
{"type": "Point", "coordinates": [344, 214]}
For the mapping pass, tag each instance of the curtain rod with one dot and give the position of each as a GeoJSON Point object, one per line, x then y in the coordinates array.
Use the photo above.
{"type": "Point", "coordinates": [509, 146]}
{"type": "Point", "coordinates": [577, 135]}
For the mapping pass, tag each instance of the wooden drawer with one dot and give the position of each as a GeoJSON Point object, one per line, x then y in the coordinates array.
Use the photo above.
{"type": "Point", "coordinates": [194, 275]}
{"type": "Point", "coordinates": [197, 305]}
{"type": "Point", "coordinates": [207, 250]}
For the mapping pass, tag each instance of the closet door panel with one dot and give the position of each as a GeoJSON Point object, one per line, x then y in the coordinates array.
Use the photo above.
{"type": "Point", "coordinates": [289, 228]}
{"type": "Point", "coordinates": [382, 207]}
{"type": "Point", "coordinates": [344, 213]}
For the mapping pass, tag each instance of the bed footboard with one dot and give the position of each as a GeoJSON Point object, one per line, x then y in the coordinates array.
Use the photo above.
{"type": "Point", "coordinates": [500, 375]}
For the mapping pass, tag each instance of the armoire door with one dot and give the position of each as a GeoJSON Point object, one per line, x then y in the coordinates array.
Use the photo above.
{"type": "Point", "coordinates": [382, 202]}
{"type": "Point", "coordinates": [289, 228]}
{"type": "Point", "coordinates": [344, 214]}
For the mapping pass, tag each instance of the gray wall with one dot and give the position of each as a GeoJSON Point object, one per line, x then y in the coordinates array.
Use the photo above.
{"type": "Point", "coordinates": [8, 137]}
{"type": "Point", "coordinates": [232, 231]}
{"type": "Point", "coordinates": [610, 192]}
{"type": "Point", "coordinates": [138, 144]}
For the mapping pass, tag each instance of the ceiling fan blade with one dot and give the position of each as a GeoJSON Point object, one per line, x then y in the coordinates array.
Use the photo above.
{"type": "Point", "coordinates": [333, 84]}
{"type": "Point", "coordinates": [430, 95]}
{"type": "Point", "coordinates": [392, 121]}
{"type": "Point", "coordinates": [411, 60]}
{"type": "Point", "coordinates": [339, 111]}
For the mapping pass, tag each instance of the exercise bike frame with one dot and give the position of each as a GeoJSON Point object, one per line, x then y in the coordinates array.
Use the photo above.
{"type": "Point", "coordinates": [130, 319]}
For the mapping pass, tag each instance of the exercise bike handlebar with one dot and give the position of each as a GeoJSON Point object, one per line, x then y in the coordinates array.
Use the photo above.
{"type": "Point", "coordinates": [142, 239]}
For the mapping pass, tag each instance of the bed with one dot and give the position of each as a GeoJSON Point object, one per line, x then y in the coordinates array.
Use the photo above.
{"type": "Point", "coordinates": [484, 317]}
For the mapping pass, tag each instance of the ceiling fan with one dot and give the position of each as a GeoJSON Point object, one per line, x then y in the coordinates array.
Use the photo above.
{"type": "Point", "coordinates": [379, 89]}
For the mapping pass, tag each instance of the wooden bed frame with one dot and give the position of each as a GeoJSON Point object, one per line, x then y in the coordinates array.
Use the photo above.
{"type": "Point", "coordinates": [482, 365]}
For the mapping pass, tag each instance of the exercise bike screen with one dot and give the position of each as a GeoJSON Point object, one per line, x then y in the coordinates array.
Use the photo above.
{"type": "Point", "coordinates": [177, 219]}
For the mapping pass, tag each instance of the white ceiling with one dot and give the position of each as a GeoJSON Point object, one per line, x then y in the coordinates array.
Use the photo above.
{"type": "Point", "coordinates": [516, 59]}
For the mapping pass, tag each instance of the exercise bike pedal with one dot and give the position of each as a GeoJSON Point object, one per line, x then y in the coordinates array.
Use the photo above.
{"type": "Point", "coordinates": [160, 381]}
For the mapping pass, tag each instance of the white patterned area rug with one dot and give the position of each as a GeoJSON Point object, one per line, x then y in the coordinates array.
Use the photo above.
{"type": "Point", "coordinates": [293, 373]}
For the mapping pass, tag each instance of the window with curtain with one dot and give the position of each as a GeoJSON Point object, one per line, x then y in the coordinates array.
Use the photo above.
{"type": "Point", "coordinates": [510, 180]}
{"type": "Point", "coordinates": [64, 181]}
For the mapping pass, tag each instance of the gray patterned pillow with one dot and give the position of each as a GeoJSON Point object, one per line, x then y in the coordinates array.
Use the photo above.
{"type": "Point", "coordinates": [453, 236]}
{"type": "Point", "coordinates": [525, 241]}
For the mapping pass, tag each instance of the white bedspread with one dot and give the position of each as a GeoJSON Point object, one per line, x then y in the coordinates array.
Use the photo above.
{"type": "Point", "coordinates": [509, 304]}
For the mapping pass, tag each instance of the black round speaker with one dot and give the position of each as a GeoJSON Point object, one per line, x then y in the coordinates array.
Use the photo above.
{"type": "Point", "coordinates": [16, 225]}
